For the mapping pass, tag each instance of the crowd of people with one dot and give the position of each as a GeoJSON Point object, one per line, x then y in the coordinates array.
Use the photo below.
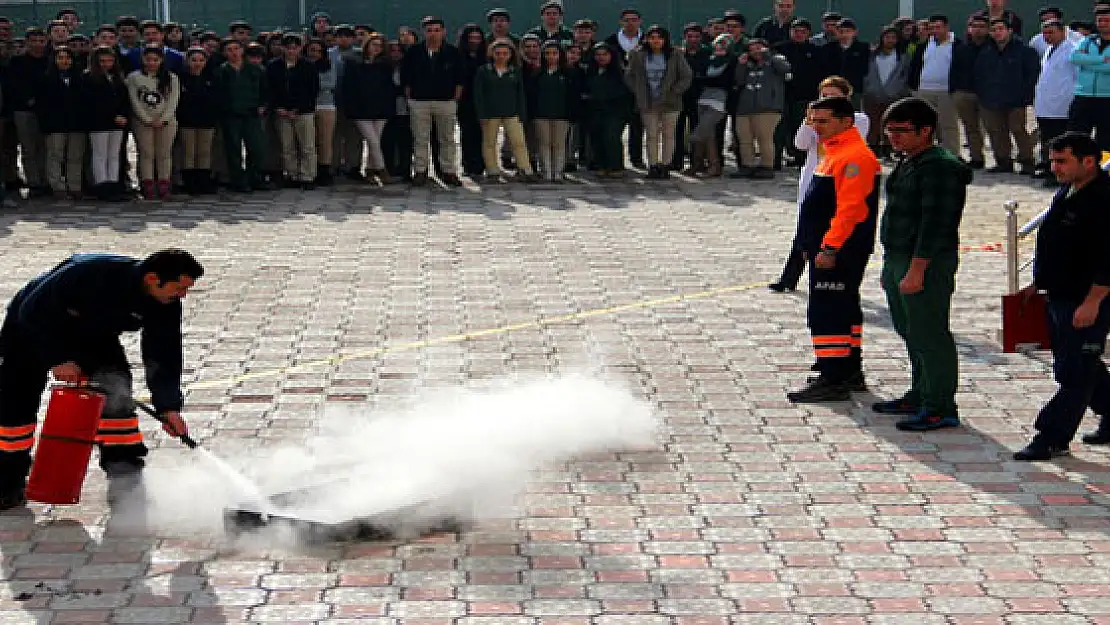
{"type": "Point", "coordinates": [253, 111]}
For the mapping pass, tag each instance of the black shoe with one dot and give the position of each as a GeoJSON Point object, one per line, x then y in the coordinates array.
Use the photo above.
{"type": "Point", "coordinates": [900, 406]}
{"type": "Point", "coordinates": [762, 173]}
{"type": "Point", "coordinates": [742, 172]}
{"type": "Point", "coordinates": [922, 422]}
{"type": "Point", "coordinates": [1098, 437]}
{"type": "Point", "coordinates": [12, 498]}
{"type": "Point", "coordinates": [123, 467]}
{"type": "Point", "coordinates": [355, 176]}
{"type": "Point", "coordinates": [977, 164]}
{"type": "Point", "coordinates": [451, 180]}
{"type": "Point", "coordinates": [420, 179]}
{"type": "Point", "coordinates": [782, 287]}
{"type": "Point", "coordinates": [855, 384]}
{"type": "Point", "coordinates": [1036, 452]}
{"type": "Point", "coordinates": [308, 186]}
{"type": "Point", "coordinates": [819, 390]}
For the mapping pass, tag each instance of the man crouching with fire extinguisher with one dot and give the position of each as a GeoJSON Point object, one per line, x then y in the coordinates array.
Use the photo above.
{"type": "Point", "coordinates": [67, 322]}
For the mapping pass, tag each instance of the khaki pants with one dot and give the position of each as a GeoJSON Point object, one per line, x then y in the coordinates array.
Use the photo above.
{"type": "Point", "coordinates": [948, 119]}
{"type": "Point", "coordinates": [659, 127]}
{"type": "Point", "coordinates": [757, 128]}
{"type": "Point", "coordinates": [197, 148]}
{"type": "Point", "coordinates": [514, 137]}
{"type": "Point", "coordinates": [325, 135]}
{"type": "Point", "coordinates": [33, 148]}
{"type": "Point", "coordinates": [551, 140]}
{"type": "Point", "coordinates": [65, 160]}
{"type": "Point", "coordinates": [371, 130]}
{"type": "Point", "coordinates": [1000, 126]}
{"type": "Point", "coordinates": [967, 109]}
{"type": "Point", "coordinates": [155, 148]}
{"type": "Point", "coordinates": [422, 113]}
{"type": "Point", "coordinates": [298, 146]}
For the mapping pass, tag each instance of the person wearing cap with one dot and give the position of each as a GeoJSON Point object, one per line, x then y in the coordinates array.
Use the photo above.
{"type": "Point", "coordinates": [551, 26]}
{"type": "Point", "coordinates": [829, 22]}
{"type": "Point", "coordinates": [432, 77]}
{"type": "Point", "coordinates": [500, 26]}
{"type": "Point", "coordinates": [849, 57]}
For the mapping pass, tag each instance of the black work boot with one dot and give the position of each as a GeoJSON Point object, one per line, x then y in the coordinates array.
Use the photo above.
{"type": "Point", "coordinates": [12, 497]}
{"type": "Point", "coordinates": [820, 389]}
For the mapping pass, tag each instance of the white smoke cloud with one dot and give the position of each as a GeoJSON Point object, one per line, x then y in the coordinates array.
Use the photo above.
{"type": "Point", "coordinates": [461, 453]}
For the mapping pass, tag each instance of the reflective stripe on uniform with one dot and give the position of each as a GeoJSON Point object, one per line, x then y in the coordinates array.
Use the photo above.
{"type": "Point", "coordinates": [857, 336]}
{"type": "Point", "coordinates": [131, 438]}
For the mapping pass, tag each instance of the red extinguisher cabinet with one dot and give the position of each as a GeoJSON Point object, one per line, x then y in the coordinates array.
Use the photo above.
{"type": "Point", "coordinates": [65, 445]}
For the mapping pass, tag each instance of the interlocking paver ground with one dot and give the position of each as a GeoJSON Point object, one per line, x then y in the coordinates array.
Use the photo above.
{"type": "Point", "coordinates": [754, 511]}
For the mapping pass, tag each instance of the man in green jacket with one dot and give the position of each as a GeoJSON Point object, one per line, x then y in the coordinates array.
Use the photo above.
{"type": "Point", "coordinates": [926, 193]}
{"type": "Point", "coordinates": [242, 86]}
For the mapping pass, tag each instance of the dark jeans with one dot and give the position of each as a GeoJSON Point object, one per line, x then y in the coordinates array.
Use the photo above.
{"type": "Point", "coordinates": [236, 131]}
{"type": "Point", "coordinates": [1087, 113]}
{"type": "Point", "coordinates": [835, 315]}
{"type": "Point", "coordinates": [922, 320]}
{"type": "Point", "coordinates": [1050, 129]}
{"type": "Point", "coordinates": [605, 140]}
{"type": "Point", "coordinates": [397, 146]}
{"type": "Point", "coordinates": [635, 138]}
{"type": "Point", "coordinates": [470, 140]}
{"type": "Point", "coordinates": [794, 113]}
{"type": "Point", "coordinates": [1079, 370]}
{"type": "Point", "coordinates": [792, 270]}
{"type": "Point", "coordinates": [689, 115]}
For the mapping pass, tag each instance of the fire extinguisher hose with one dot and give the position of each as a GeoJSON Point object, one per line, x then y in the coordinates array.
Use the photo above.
{"type": "Point", "coordinates": [184, 438]}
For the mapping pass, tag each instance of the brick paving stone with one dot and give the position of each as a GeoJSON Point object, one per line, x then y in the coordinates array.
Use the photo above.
{"type": "Point", "coordinates": [752, 511]}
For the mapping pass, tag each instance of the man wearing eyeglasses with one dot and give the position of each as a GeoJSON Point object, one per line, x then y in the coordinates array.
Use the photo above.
{"type": "Point", "coordinates": [920, 233]}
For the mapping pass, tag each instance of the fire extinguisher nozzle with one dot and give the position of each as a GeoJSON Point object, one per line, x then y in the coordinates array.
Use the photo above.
{"type": "Point", "coordinates": [188, 440]}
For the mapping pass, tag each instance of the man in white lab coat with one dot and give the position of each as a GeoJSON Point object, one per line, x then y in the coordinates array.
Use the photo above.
{"type": "Point", "coordinates": [1055, 91]}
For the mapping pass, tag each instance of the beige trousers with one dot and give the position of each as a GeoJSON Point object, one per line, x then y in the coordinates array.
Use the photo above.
{"type": "Point", "coordinates": [65, 160]}
{"type": "Point", "coordinates": [196, 148]}
{"type": "Point", "coordinates": [444, 113]}
{"type": "Point", "coordinates": [757, 128]}
{"type": "Point", "coordinates": [659, 126]}
{"type": "Point", "coordinates": [514, 136]}
{"type": "Point", "coordinates": [155, 147]}
{"type": "Point", "coordinates": [298, 146]}
{"type": "Point", "coordinates": [551, 142]}
{"type": "Point", "coordinates": [371, 130]}
{"type": "Point", "coordinates": [949, 119]}
{"type": "Point", "coordinates": [325, 136]}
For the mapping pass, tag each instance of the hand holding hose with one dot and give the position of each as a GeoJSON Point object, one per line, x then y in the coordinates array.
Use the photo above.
{"type": "Point", "coordinates": [174, 424]}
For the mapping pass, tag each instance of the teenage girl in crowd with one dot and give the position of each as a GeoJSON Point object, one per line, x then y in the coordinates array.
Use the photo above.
{"type": "Point", "coordinates": [197, 112]}
{"type": "Point", "coordinates": [558, 93]}
{"type": "Point", "coordinates": [317, 55]}
{"type": "Point", "coordinates": [657, 77]}
{"type": "Point", "coordinates": [397, 136]}
{"type": "Point", "coordinates": [56, 106]}
{"type": "Point", "coordinates": [154, 92]}
{"type": "Point", "coordinates": [369, 101]}
{"type": "Point", "coordinates": [807, 139]}
{"type": "Point", "coordinates": [105, 109]}
{"type": "Point", "coordinates": [499, 102]}
{"type": "Point", "coordinates": [607, 100]}
{"type": "Point", "coordinates": [473, 46]}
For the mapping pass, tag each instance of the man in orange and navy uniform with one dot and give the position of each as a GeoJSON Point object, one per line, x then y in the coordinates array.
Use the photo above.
{"type": "Point", "coordinates": [67, 322]}
{"type": "Point", "coordinates": [836, 234]}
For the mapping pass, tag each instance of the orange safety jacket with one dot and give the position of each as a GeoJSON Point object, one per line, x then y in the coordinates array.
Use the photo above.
{"type": "Point", "coordinates": [839, 210]}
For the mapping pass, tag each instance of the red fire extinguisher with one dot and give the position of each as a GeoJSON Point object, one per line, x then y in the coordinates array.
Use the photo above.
{"type": "Point", "coordinates": [65, 445]}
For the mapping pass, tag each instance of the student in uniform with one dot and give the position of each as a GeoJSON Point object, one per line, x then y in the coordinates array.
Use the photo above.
{"type": "Point", "coordinates": [316, 53]}
{"type": "Point", "coordinates": [104, 113]}
{"type": "Point", "coordinates": [155, 92]}
{"type": "Point", "coordinates": [197, 113]}
{"type": "Point", "coordinates": [294, 85]}
{"type": "Point", "coordinates": [56, 105]}
{"type": "Point", "coordinates": [499, 102]}
{"type": "Point", "coordinates": [608, 101]}
{"type": "Point", "coordinates": [368, 101]}
{"type": "Point", "coordinates": [557, 98]}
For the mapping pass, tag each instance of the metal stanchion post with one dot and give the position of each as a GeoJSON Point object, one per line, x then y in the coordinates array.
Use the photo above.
{"type": "Point", "coordinates": [1012, 253]}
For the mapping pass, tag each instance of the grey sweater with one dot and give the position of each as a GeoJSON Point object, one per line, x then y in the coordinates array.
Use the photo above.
{"type": "Point", "coordinates": [762, 86]}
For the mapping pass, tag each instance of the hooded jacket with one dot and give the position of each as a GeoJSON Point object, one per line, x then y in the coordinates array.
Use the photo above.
{"type": "Point", "coordinates": [925, 196]}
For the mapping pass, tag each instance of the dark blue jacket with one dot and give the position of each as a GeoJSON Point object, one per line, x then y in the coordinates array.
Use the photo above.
{"type": "Point", "coordinates": [89, 298]}
{"type": "Point", "coordinates": [1006, 78]}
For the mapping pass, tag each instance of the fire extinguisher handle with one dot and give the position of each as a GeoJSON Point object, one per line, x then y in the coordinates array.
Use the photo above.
{"type": "Point", "coordinates": [184, 438]}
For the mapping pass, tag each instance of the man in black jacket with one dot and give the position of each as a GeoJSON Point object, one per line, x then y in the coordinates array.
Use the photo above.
{"type": "Point", "coordinates": [294, 84]}
{"type": "Point", "coordinates": [1006, 72]}
{"type": "Point", "coordinates": [806, 74]}
{"type": "Point", "coordinates": [697, 57]}
{"type": "Point", "coordinates": [848, 57]}
{"type": "Point", "coordinates": [961, 80]}
{"type": "Point", "coordinates": [67, 323]}
{"type": "Point", "coordinates": [21, 77]}
{"type": "Point", "coordinates": [432, 77]}
{"type": "Point", "coordinates": [1073, 269]}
